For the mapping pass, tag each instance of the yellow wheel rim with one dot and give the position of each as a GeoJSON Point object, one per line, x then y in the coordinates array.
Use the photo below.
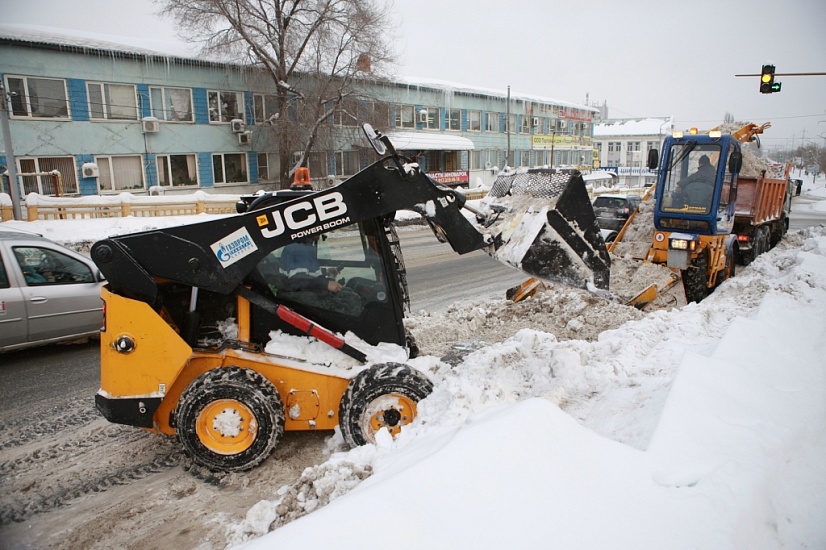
{"type": "Point", "coordinates": [391, 411]}
{"type": "Point", "coordinates": [226, 427]}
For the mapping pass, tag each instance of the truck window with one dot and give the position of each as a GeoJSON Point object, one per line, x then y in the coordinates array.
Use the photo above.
{"type": "Point", "coordinates": [691, 179]}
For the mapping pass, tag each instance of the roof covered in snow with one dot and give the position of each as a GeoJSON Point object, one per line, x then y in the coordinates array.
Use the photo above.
{"type": "Point", "coordinates": [91, 42]}
{"type": "Point", "coordinates": [634, 127]}
{"type": "Point", "coordinates": [493, 92]}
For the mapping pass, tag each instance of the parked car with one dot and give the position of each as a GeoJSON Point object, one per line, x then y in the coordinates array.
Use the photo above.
{"type": "Point", "coordinates": [613, 210]}
{"type": "Point", "coordinates": [48, 293]}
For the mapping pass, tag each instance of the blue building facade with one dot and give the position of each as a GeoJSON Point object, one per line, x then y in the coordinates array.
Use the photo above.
{"type": "Point", "coordinates": [114, 119]}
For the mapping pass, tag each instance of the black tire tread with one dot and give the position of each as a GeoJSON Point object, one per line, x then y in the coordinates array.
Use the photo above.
{"type": "Point", "coordinates": [247, 386]}
{"type": "Point", "coordinates": [372, 383]}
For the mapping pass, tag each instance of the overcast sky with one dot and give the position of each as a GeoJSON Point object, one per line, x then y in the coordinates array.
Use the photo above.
{"type": "Point", "coordinates": [649, 58]}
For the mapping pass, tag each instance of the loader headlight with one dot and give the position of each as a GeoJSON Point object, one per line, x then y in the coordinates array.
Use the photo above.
{"type": "Point", "coordinates": [682, 244]}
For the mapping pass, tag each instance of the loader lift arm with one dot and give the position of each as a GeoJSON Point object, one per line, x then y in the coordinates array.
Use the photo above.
{"type": "Point", "coordinates": [218, 255]}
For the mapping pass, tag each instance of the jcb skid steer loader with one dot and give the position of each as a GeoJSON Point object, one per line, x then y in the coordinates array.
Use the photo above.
{"type": "Point", "coordinates": [167, 368]}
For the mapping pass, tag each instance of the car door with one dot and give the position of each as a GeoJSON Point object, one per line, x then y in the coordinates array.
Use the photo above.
{"type": "Point", "coordinates": [13, 318]}
{"type": "Point", "coordinates": [60, 290]}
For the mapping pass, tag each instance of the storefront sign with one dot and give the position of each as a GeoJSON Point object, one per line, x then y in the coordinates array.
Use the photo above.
{"type": "Point", "coordinates": [450, 178]}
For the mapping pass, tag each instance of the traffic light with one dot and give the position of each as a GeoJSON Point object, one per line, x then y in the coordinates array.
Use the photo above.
{"type": "Point", "coordinates": [767, 83]}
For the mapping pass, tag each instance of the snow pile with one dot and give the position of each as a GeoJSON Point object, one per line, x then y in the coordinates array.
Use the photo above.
{"type": "Point", "coordinates": [697, 431]}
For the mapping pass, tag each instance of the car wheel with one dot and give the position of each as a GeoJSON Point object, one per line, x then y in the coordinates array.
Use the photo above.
{"type": "Point", "coordinates": [229, 419]}
{"type": "Point", "coordinates": [382, 396]}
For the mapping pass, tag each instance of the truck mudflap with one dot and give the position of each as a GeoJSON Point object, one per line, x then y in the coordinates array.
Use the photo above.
{"type": "Point", "coordinates": [544, 225]}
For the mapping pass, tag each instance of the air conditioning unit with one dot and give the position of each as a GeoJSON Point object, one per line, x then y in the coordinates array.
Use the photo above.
{"type": "Point", "coordinates": [423, 116]}
{"type": "Point", "coordinates": [536, 121]}
{"type": "Point", "coordinates": [245, 138]}
{"type": "Point", "coordinates": [150, 125]}
{"type": "Point", "coordinates": [237, 125]}
{"type": "Point", "coordinates": [90, 170]}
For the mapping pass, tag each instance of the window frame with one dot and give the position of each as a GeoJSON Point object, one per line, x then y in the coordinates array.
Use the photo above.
{"type": "Point", "coordinates": [474, 120]}
{"type": "Point", "coordinates": [222, 156]}
{"type": "Point", "coordinates": [69, 177]}
{"type": "Point", "coordinates": [26, 99]}
{"type": "Point", "coordinates": [165, 109]}
{"type": "Point", "coordinates": [260, 102]}
{"type": "Point", "coordinates": [168, 172]}
{"type": "Point", "coordinates": [106, 103]}
{"type": "Point", "coordinates": [433, 118]}
{"type": "Point", "coordinates": [221, 118]}
{"type": "Point", "coordinates": [492, 122]}
{"type": "Point", "coordinates": [105, 163]}
{"type": "Point", "coordinates": [398, 116]}
{"type": "Point", "coordinates": [453, 120]}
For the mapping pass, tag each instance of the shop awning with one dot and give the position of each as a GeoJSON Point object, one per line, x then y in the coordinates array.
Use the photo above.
{"type": "Point", "coordinates": [426, 141]}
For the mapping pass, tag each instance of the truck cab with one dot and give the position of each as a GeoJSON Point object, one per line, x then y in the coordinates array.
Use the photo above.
{"type": "Point", "coordinates": [697, 184]}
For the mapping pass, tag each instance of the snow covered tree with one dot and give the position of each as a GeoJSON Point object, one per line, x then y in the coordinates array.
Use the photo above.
{"type": "Point", "coordinates": [310, 49]}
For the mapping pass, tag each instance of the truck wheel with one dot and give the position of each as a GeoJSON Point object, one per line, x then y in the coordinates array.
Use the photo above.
{"type": "Point", "coordinates": [382, 396]}
{"type": "Point", "coordinates": [229, 419]}
{"type": "Point", "coordinates": [694, 279]}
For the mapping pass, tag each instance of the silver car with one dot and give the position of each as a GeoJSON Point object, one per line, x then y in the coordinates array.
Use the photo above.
{"type": "Point", "coordinates": [48, 293]}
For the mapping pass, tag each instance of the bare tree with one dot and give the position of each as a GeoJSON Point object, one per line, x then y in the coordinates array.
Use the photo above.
{"type": "Point", "coordinates": [311, 50]}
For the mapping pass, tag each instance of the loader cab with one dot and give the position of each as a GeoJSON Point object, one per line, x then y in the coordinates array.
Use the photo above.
{"type": "Point", "coordinates": [697, 184]}
{"type": "Point", "coordinates": [362, 258]}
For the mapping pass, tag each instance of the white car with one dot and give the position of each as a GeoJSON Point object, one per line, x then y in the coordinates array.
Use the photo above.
{"type": "Point", "coordinates": [48, 293]}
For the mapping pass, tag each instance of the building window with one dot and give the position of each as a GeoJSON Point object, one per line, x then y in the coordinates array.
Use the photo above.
{"type": "Point", "coordinates": [229, 168]}
{"type": "Point", "coordinates": [431, 118]}
{"type": "Point", "coordinates": [171, 104]}
{"type": "Point", "coordinates": [112, 101]}
{"type": "Point", "coordinates": [511, 124]}
{"type": "Point", "coordinates": [376, 113]}
{"type": "Point", "coordinates": [347, 112]}
{"type": "Point", "coordinates": [177, 170]}
{"type": "Point", "coordinates": [264, 107]}
{"type": "Point", "coordinates": [44, 183]}
{"type": "Point", "coordinates": [493, 122]}
{"type": "Point", "coordinates": [264, 167]}
{"type": "Point", "coordinates": [347, 163]}
{"type": "Point", "coordinates": [405, 117]}
{"type": "Point", "coordinates": [493, 159]}
{"type": "Point", "coordinates": [453, 119]}
{"type": "Point", "coordinates": [225, 106]}
{"type": "Point", "coordinates": [120, 173]}
{"type": "Point", "coordinates": [37, 97]}
{"type": "Point", "coordinates": [474, 121]}
{"type": "Point", "coordinates": [540, 157]}
{"type": "Point", "coordinates": [476, 160]}
{"type": "Point", "coordinates": [524, 158]}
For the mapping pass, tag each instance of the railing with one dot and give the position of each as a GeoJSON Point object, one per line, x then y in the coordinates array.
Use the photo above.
{"type": "Point", "coordinates": [39, 207]}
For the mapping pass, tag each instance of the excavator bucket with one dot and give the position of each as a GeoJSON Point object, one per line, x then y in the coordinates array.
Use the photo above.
{"type": "Point", "coordinates": [545, 226]}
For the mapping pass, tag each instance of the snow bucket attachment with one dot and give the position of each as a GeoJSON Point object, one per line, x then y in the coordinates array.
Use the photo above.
{"type": "Point", "coordinates": [544, 225]}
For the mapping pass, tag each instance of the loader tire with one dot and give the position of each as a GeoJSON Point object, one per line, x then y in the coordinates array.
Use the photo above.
{"type": "Point", "coordinates": [229, 419]}
{"type": "Point", "coordinates": [694, 279]}
{"type": "Point", "coordinates": [382, 396]}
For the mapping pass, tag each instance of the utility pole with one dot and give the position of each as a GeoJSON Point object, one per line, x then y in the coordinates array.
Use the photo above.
{"type": "Point", "coordinates": [11, 164]}
{"type": "Point", "coordinates": [508, 128]}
